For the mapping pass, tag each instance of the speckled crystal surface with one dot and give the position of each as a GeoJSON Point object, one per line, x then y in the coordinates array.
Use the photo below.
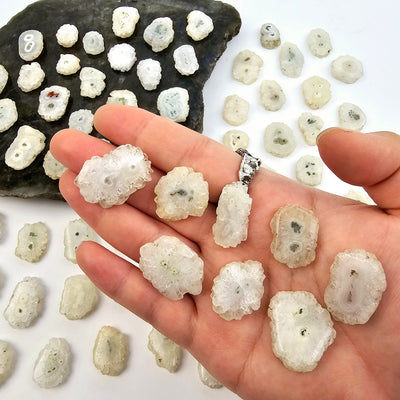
{"type": "Point", "coordinates": [172, 267]}
{"type": "Point", "coordinates": [111, 179]}
{"type": "Point", "coordinates": [233, 212]}
{"type": "Point", "coordinates": [295, 233]}
{"type": "Point", "coordinates": [180, 193]}
{"type": "Point", "coordinates": [357, 281]}
{"type": "Point", "coordinates": [238, 289]}
{"type": "Point", "coordinates": [301, 329]}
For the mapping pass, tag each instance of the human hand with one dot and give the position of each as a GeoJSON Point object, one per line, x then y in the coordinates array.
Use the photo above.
{"type": "Point", "coordinates": [363, 360]}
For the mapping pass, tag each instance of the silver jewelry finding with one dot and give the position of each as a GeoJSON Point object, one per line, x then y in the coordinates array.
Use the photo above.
{"type": "Point", "coordinates": [248, 167]}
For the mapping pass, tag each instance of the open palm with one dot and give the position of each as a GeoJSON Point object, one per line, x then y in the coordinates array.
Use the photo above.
{"type": "Point", "coordinates": [364, 360]}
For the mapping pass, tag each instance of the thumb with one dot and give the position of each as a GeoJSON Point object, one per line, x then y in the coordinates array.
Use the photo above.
{"type": "Point", "coordinates": [369, 160]}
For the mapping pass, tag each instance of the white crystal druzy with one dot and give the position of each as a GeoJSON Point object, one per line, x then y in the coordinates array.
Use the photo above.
{"type": "Point", "coordinates": [172, 267]}
{"type": "Point", "coordinates": [181, 193]}
{"type": "Point", "coordinates": [110, 352]}
{"type": "Point", "coordinates": [111, 179]}
{"type": "Point", "coordinates": [32, 242]}
{"type": "Point", "coordinates": [233, 212]}
{"type": "Point", "coordinates": [357, 281]}
{"type": "Point", "coordinates": [76, 232]}
{"type": "Point", "coordinates": [199, 25]}
{"type": "Point", "coordinates": [67, 35]}
{"type": "Point", "coordinates": [159, 34]}
{"type": "Point", "coordinates": [52, 167]}
{"type": "Point", "coordinates": [123, 96]}
{"type": "Point", "coordinates": [149, 72]}
{"type": "Point", "coordinates": [53, 364]}
{"type": "Point", "coordinates": [25, 147]}
{"type": "Point", "coordinates": [53, 102]}
{"type": "Point", "coordinates": [208, 379]}
{"type": "Point", "coordinates": [7, 360]}
{"type": "Point", "coordinates": [26, 303]}
{"type": "Point", "coordinates": [121, 57]}
{"type": "Point", "coordinates": [238, 289]}
{"type": "Point", "coordinates": [3, 78]}
{"type": "Point", "coordinates": [295, 233]}
{"type": "Point", "coordinates": [301, 329]}
{"type": "Point", "coordinates": [173, 104]}
{"type": "Point", "coordinates": [124, 20]}
{"type": "Point", "coordinates": [167, 353]}
{"type": "Point", "coordinates": [8, 114]}
{"type": "Point", "coordinates": [30, 77]}
{"type": "Point", "coordinates": [92, 82]}
{"type": "Point", "coordinates": [186, 60]}
{"type": "Point", "coordinates": [80, 296]}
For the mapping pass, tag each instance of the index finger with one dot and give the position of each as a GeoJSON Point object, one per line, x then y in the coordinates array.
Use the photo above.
{"type": "Point", "coordinates": [169, 144]}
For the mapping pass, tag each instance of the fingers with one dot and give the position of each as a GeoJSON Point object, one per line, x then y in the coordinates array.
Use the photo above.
{"type": "Point", "coordinates": [124, 227]}
{"type": "Point", "coordinates": [368, 160]}
{"type": "Point", "coordinates": [169, 144]}
{"type": "Point", "coordinates": [124, 283]}
{"type": "Point", "coordinates": [72, 148]}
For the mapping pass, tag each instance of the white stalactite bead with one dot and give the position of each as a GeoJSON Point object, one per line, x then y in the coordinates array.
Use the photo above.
{"type": "Point", "coordinates": [30, 45]}
{"type": "Point", "coordinates": [173, 104]}
{"type": "Point", "coordinates": [53, 364]}
{"type": "Point", "coordinates": [92, 82]}
{"type": "Point", "coordinates": [53, 102]}
{"type": "Point", "coordinates": [279, 139]}
{"type": "Point", "coordinates": [159, 34]}
{"type": "Point", "coordinates": [122, 57]}
{"type": "Point", "coordinates": [32, 242]}
{"type": "Point", "coordinates": [149, 73]}
{"type": "Point", "coordinates": [166, 352]}
{"type": "Point", "coordinates": [319, 43]}
{"type": "Point", "coordinates": [316, 92]}
{"type": "Point", "coordinates": [295, 233]}
{"type": "Point", "coordinates": [246, 67]}
{"type": "Point", "coordinates": [25, 147]}
{"type": "Point", "coordinates": [234, 205]}
{"type": "Point", "coordinates": [291, 60]}
{"type": "Point", "coordinates": [7, 360]}
{"type": "Point", "coordinates": [357, 282]}
{"type": "Point", "coordinates": [272, 96]}
{"type": "Point", "coordinates": [172, 267]}
{"type": "Point", "coordinates": [68, 64]}
{"type": "Point", "coordinates": [124, 20]}
{"type": "Point", "coordinates": [8, 114]}
{"type": "Point", "coordinates": [236, 110]}
{"type": "Point", "coordinates": [67, 35]}
{"type": "Point", "coordinates": [180, 194]}
{"type": "Point", "coordinates": [185, 60]}
{"type": "Point", "coordinates": [351, 117]}
{"type": "Point", "coordinates": [125, 97]}
{"type": "Point", "coordinates": [76, 232]}
{"type": "Point", "coordinates": [238, 289]}
{"type": "Point", "coordinates": [26, 303]}
{"type": "Point", "coordinates": [199, 25]}
{"type": "Point", "coordinates": [110, 352]}
{"type": "Point", "coordinates": [93, 43]}
{"type": "Point", "coordinates": [79, 297]}
{"type": "Point", "coordinates": [347, 69]}
{"type": "Point", "coordinates": [270, 36]}
{"type": "Point", "coordinates": [309, 170]}
{"type": "Point", "coordinates": [301, 330]}
{"type": "Point", "coordinates": [30, 77]}
{"type": "Point", "coordinates": [111, 179]}
{"type": "Point", "coordinates": [3, 78]}
{"type": "Point", "coordinates": [81, 120]}
{"type": "Point", "coordinates": [310, 126]}
{"type": "Point", "coordinates": [52, 167]}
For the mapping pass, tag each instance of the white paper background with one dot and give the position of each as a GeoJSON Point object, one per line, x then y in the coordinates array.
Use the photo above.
{"type": "Point", "coordinates": [367, 31]}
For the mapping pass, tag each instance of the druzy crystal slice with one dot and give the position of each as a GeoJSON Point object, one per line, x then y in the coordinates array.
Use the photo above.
{"type": "Point", "coordinates": [180, 193]}
{"type": "Point", "coordinates": [234, 205]}
{"type": "Point", "coordinates": [166, 352]}
{"type": "Point", "coordinates": [238, 289]}
{"type": "Point", "coordinates": [295, 231]}
{"type": "Point", "coordinates": [301, 329]}
{"type": "Point", "coordinates": [111, 179]}
{"type": "Point", "coordinates": [172, 267]}
{"type": "Point", "coordinates": [356, 284]}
